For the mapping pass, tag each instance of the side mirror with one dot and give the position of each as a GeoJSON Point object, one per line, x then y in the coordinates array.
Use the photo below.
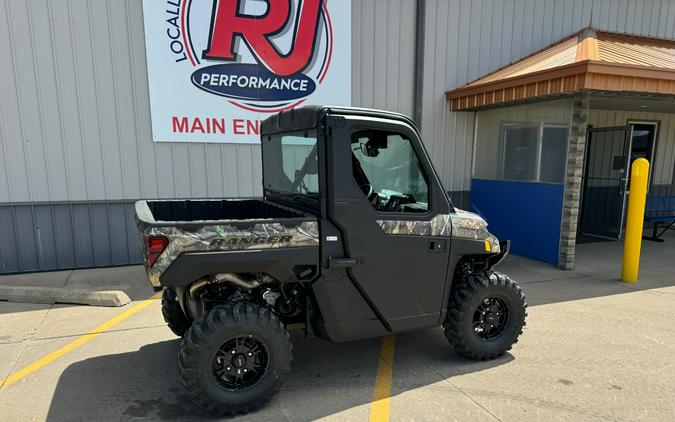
{"type": "Point", "coordinates": [372, 147]}
{"type": "Point", "coordinates": [368, 150]}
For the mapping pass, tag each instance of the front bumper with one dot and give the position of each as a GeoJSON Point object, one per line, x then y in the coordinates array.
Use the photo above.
{"type": "Point", "coordinates": [495, 259]}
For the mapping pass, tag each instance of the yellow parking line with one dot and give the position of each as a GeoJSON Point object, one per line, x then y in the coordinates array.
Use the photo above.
{"type": "Point", "coordinates": [18, 375]}
{"type": "Point", "coordinates": [379, 408]}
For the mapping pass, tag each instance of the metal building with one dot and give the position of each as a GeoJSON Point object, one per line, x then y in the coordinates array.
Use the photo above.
{"type": "Point", "coordinates": [75, 134]}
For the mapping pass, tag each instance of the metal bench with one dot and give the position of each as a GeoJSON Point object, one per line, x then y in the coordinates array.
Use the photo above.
{"type": "Point", "coordinates": [665, 206]}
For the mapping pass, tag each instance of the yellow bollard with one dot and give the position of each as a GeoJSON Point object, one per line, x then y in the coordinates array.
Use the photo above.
{"type": "Point", "coordinates": [637, 198]}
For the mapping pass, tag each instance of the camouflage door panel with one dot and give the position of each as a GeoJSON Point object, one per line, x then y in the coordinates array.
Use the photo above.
{"type": "Point", "coordinates": [440, 225]}
{"type": "Point", "coordinates": [462, 224]}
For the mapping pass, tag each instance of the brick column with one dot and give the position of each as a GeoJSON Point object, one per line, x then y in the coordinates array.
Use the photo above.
{"type": "Point", "coordinates": [575, 165]}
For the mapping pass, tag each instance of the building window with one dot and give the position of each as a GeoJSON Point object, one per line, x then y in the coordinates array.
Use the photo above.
{"type": "Point", "coordinates": [534, 152]}
{"type": "Point", "coordinates": [520, 153]}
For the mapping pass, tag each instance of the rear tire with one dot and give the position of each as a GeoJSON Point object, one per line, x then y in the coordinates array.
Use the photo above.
{"type": "Point", "coordinates": [486, 314]}
{"type": "Point", "coordinates": [234, 358]}
{"type": "Point", "coordinates": [173, 314]}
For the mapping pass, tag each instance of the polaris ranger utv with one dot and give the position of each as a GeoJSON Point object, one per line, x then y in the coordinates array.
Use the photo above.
{"type": "Point", "coordinates": [354, 237]}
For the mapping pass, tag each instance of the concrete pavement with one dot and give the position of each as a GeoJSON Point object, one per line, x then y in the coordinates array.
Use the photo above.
{"type": "Point", "coordinates": [593, 349]}
{"type": "Point", "coordinates": [78, 286]}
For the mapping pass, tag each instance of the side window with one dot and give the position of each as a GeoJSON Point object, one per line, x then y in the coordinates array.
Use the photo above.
{"type": "Point", "coordinates": [534, 152]}
{"type": "Point", "coordinates": [387, 169]}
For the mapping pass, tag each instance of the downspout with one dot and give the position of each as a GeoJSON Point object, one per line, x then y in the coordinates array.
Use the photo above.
{"type": "Point", "coordinates": [418, 73]}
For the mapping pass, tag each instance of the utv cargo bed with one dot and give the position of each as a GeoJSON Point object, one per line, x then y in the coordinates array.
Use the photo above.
{"type": "Point", "coordinates": [171, 228]}
{"type": "Point", "coordinates": [197, 211]}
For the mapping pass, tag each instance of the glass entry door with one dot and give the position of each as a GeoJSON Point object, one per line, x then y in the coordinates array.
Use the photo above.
{"type": "Point", "coordinates": [643, 138]}
{"type": "Point", "coordinates": [604, 182]}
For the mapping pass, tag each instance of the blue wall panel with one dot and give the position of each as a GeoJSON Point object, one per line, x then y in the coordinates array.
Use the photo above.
{"type": "Point", "coordinates": [526, 213]}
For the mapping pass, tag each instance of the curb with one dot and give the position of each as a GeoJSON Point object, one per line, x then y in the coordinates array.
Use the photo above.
{"type": "Point", "coordinates": [52, 295]}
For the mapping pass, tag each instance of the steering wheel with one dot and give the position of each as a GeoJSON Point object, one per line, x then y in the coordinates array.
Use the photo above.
{"type": "Point", "coordinates": [370, 193]}
{"type": "Point", "coordinates": [397, 201]}
{"type": "Point", "coordinates": [393, 203]}
{"type": "Point", "coordinates": [367, 189]}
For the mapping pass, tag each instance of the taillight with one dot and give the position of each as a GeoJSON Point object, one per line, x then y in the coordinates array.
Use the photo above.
{"type": "Point", "coordinates": [154, 246]}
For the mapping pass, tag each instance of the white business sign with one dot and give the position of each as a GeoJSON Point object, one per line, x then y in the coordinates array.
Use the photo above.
{"type": "Point", "coordinates": [216, 68]}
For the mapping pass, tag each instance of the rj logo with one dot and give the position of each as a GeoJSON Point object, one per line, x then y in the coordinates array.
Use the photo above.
{"type": "Point", "coordinates": [227, 23]}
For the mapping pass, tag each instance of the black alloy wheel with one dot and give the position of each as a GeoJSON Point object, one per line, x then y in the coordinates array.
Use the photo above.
{"type": "Point", "coordinates": [240, 363]}
{"type": "Point", "coordinates": [491, 318]}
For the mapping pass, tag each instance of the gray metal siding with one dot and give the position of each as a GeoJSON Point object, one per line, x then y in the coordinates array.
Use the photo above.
{"type": "Point", "coordinates": [74, 109]}
{"type": "Point", "coordinates": [467, 39]}
{"type": "Point", "coordinates": [383, 57]}
{"type": "Point", "coordinates": [75, 112]}
{"type": "Point", "coordinates": [75, 127]}
{"type": "Point", "coordinates": [461, 199]}
{"type": "Point", "coordinates": [67, 235]}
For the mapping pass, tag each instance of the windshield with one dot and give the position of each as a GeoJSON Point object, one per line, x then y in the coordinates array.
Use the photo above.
{"type": "Point", "coordinates": [290, 163]}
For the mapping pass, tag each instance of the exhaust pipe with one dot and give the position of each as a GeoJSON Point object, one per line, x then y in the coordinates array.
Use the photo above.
{"type": "Point", "coordinates": [232, 278]}
{"type": "Point", "coordinates": [196, 306]}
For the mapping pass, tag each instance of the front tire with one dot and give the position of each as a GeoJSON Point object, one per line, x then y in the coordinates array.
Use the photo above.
{"type": "Point", "coordinates": [234, 358]}
{"type": "Point", "coordinates": [486, 314]}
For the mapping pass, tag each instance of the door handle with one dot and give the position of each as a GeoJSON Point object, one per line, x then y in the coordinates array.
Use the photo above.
{"type": "Point", "coordinates": [335, 263]}
{"type": "Point", "coordinates": [437, 245]}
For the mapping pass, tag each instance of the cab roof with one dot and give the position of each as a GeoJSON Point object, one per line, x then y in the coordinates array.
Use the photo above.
{"type": "Point", "coordinates": [308, 117]}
